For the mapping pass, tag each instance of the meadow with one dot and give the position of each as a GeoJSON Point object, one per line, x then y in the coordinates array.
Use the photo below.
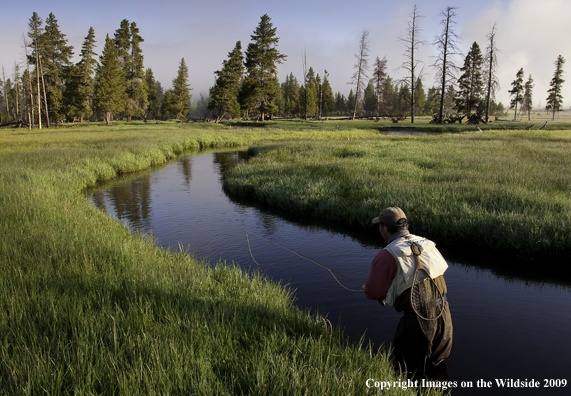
{"type": "Point", "coordinates": [498, 193]}
{"type": "Point", "coordinates": [87, 307]}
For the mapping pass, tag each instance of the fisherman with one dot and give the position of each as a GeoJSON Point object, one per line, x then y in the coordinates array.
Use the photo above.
{"type": "Point", "coordinates": [390, 281]}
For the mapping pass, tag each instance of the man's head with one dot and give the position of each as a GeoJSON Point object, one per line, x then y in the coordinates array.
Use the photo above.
{"type": "Point", "coordinates": [391, 220]}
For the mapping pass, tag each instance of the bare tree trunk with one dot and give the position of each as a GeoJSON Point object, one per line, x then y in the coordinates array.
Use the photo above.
{"type": "Point", "coordinates": [320, 100]}
{"type": "Point", "coordinates": [447, 41]}
{"type": "Point", "coordinates": [30, 117]}
{"type": "Point", "coordinates": [491, 60]}
{"type": "Point", "coordinates": [16, 73]}
{"type": "Point", "coordinates": [305, 82]}
{"type": "Point", "coordinates": [410, 65]}
{"type": "Point", "coordinates": [45, 96]}
{"type": "Point", "coordinates": [362, 67]}
{"type": "Point", "coordinates": [5, 90]}
{"type": "Point", "coordinates": [38, 87]}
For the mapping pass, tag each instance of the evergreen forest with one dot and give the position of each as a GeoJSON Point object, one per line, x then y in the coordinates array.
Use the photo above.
{"type": "Point", "coordinates": [48, 89]}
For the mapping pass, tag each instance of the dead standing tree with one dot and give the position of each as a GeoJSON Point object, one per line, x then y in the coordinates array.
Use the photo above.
{"type": "Point", "coordinates": [491, 66]}
{"type": "Point", "coordinates": [447, 48]}
{"type": "Point", "coordinates": [411, 64]}
{"type": "Point", "coordinates": [361, 67]}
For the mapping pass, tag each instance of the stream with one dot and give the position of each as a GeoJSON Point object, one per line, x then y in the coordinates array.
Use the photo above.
{"type": "Point", "coordinates": [505, 328]}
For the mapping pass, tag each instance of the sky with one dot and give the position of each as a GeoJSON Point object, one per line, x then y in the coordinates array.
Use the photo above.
{"type": "Point", "coordinates": [531, 35]}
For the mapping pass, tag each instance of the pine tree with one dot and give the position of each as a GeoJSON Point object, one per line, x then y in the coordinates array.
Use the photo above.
{"type": "Point", "coordinates": [153, 97]}
{"type": "Point", "coordinates": [291, 93]}
{"type": "Point", "coordinates": [449, 101]}
{"type": "Point", "coordinates": [261, 87]}
{"type": "Point", "coordinates": [527, 104]}
{"type": "Point", "coordinates": [470, 86]}
{"type": "Point", "coordinates": [340, 107]}
{"type": "Point", "coordinates": [389, 101]}
{"type": "Point", "coordinates": [109, 89]}
{"type": "Point", "coordinates": [517, 92]}
{"type": "Point", "coordinates": [309, 96]}
{"type": "Point", "coordinates": [35, 25]}
{"type": "Point", "coordinates": [403, 100]}
{"type": "Point", "coordinates": [177, 100]}
{"type": "Point", "coordinates": [555, 99]}
{"type": "Point", "coordinates": [136, 89]}
{"type": "Point", "coordinates": [419, 97]}
{"type": "Point", "coordinates": [432, 104]}
{"type": "Point", "coordinates": [370, 98]}
{"type": "Point", "coordinates": [224, 93]}
{"type": "Point", "coordinates": [127, 40]}
{"type": "Point", "coordinates": [78, 92]}
{"type": "Point", "coordinates": [328, 103]}
{"type": "Point", "coordinates": [379, 80]}
{"type": "Point", "coordinates": [350, 104]}
{"type": "Point", "coordinates": [56, 58]}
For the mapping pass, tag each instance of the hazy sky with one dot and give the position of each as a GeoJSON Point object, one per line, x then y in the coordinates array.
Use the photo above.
{"type": "Point", "coordinates": [530, 34]}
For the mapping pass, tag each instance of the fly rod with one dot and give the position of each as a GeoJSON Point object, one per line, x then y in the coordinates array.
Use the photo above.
{"type": "Point", "coordinates": [332, 271]}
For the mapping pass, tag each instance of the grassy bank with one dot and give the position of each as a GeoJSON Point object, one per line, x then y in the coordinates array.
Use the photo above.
{"type": "Point", "coordinates": [490, 191]}
{"type": "Point", "coordinates": [86, 307]}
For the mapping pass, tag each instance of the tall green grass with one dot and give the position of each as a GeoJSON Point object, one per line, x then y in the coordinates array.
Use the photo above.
{"type": "Point", "coordinates": [499, 191]}
{"type": "Point", "coordinates": [87, 307]}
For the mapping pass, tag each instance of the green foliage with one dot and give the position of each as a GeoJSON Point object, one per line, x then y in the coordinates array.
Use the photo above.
{"type": "Point", "coordinates": [517, 92]}
{"type": "Point", "coordinates": [419, 98]}
{"type": "Point", "coordinates": [340, 103]}
{"type": "Point", "coordinates": [261, 86]}
{"type": "Point", "coordinates": [55, 56]}
{"type": "Point", "coordinates": [350, 104]}
{"type": "Point", "coordinates": [127, 40]}
{"type": "Point", "coordinates": [327, 99]}
{"type": "Point", "coordinates": [380, 78]}
{"type": "Point", "coordinates": [308, 94]}
{"type": "Point", "coordinates": [224, 94]}
{"type": "Point", "coordinates": [154, 95]}
{"type": "Point", "coordinates": [79, 85]}
{"type": "Point", "coordinates": [369, 98]}
{"type": "Point", "coordinates": [88, 307]}
{"type": "Point", "coordinates": [470, 84]}
{"type": "Point", "coordinates": [555, 98]}
{"type": "Point", "coordinates": [291, 92]}
{"type": "Point", "coordinates": [527, 103]}
{"type": "Point", "coordinates": [176, 103]}
{"type": "Point", "coordinates": [402, 105]}
{"type": "Point", "coordinates": [109, 90]}
{"type": "Point", "coordinates": [455, 188]}
{"type": "Point", "coordinates": [432, 103]}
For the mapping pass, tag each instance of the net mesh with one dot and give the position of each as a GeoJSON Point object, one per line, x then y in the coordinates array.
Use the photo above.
{"type": "Point", "coordinates": [427, 302]}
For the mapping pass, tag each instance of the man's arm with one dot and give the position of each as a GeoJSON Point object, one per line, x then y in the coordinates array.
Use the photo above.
{"type": "Point", "coordinates": [383, 270]}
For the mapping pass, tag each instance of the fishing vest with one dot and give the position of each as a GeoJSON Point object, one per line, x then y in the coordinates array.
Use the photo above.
{"type": "Point", "coordinates": [430, 258]}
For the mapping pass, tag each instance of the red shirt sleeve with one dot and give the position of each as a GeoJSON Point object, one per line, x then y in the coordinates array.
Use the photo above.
{"type": "Point", "coordinates": [383, 270]}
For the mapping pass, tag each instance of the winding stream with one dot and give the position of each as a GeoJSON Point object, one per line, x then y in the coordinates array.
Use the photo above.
{"type": "Point", "coordinates": [504, 328]}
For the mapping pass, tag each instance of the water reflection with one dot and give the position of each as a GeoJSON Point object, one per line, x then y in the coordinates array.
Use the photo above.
{"type": "Point", "coordinates": [228, 160]}
{"type": "Point", "coordinates": [498, 321]}
{"type": "Point", "coordinates": [129, 202]}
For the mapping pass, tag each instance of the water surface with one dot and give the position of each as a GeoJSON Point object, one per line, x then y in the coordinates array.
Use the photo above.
{"type": "Point", "coordinates": [504, 328]}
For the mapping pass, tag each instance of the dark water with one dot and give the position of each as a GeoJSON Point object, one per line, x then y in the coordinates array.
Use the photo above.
{"type": "Point", "coordinates": [504, 328]}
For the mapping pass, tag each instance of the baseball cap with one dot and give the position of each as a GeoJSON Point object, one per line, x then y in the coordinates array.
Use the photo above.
{"type": "Point", "coordinates": [390, 216]}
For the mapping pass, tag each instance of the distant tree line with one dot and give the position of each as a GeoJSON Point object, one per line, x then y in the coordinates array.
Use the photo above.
{"type": "Point", "coordinates": [49, 88]}
{"type": "Point", "coordinates": [52, 89]}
